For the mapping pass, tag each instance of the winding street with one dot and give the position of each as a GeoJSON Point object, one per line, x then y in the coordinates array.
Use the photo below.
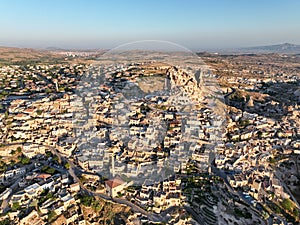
{"type": "Point", "coordinates": [152, 216]}
{"type": "Point", "coordinates": [226, 97]}
{"type": "Point", "coordinates": [161, 217]}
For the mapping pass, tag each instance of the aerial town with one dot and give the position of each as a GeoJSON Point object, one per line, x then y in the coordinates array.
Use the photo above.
{"type": "Point", "coordinates": [149, 142]}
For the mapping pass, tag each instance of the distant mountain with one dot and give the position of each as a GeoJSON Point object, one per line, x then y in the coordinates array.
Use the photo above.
{"type": "Point", "coordinates": [54, 49]}
{"type": "Point", "coordinates": [285, 48]}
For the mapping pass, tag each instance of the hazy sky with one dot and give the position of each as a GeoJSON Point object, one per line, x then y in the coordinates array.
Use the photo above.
{"type": "Point", "coordinates": [198, 24]}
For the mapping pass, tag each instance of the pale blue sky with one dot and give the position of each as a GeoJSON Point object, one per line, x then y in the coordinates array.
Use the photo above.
{"type": "Point", "coordinates": [196, 24]}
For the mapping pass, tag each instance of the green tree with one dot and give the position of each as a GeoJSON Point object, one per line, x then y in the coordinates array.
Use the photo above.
{"type": "Point", "coordinates": [272, 160]}
{"type": "Point", "coordinates": [39, 112]}
{"type": "Point", "coordinates": [19, 149]}
{"type": "Point", "coordinates": [51, 216]}
{"type": "Point", "coordinates": [296, 213]}
{"type": "Point", "coordinates": [67, 166]}
{"type": "Point", "coordinates": [48, 91]}
{"type": "Point", "coordinates": [287, 204]}
{"type": "Point", "coordinates": [25, 160]}
{"type": "Point", "coordinates": [48, 169]}
{"type": "Point", "coordinates": [55, 158]}
{"type": "Point", "coordinates": [16, 206]}
{"type": "Point", "coordinates": [50, 195]}
{"type": "Point", "coordinates": [3, 166]}
{"type": "Point", "coordinates": [87, 200]}
{"type": "Point", "coordinates": [12, 152]}
{"type": "Point", "coordinates": [6, 114]}
{"type": "Point", "coordinates": [259, 134]}
{"type": "Point", "coordinates": [5, 222]}
{"type": "Point", "coordinates": [12, 162]}
{"type": "Point", "coordinates": [48, 154]}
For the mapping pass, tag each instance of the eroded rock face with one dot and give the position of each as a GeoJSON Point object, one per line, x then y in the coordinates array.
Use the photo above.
{"type": "Point", "coordinates": [187, 82]}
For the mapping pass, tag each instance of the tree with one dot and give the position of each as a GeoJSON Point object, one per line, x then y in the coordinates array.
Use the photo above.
{"type": "Point", "coordinates": [296, 213]}
{"type": "Point", "coordinates": [5, 222]}
{"type": "Point", "coordinates": [287, 204]}
{"type": "Point", "coordinates": [49, 170]}
{"type": "Point", "coordinates": [87, 200]}
{"type": "Point", "coordinates": [25, 160]}
{"type": "Point", "coordinates": [6, 114]}
{"type": "Point", "coordinates": [272, 160]}
{"type": "Point", "coordinates": [3, 166]}
{"type": "Point", "coordinates": [50, 195]}
{"type": "Point", "coordinates": [67, 166]}
{"type": "Point", "coordinates": [55, 158]}
{"type": "Point", "coordinates": [39, 112]}
{"type": "Point", "coordinates": [51, 216]}
{"type": "Point", "coordinates": [19, 149]}
{"type": "Point", "coordinates": [48, 154]}
{"type": "Point", "coordinates": [16, 206]}
{"type": "Point", "coordinates": [259, 134]}
{"type": "Point", "coordinates": [12, 152]}
{"type": "Point", "coordinates": [276, 208]}
{"type": "Point", "coordinates": [244, 123]}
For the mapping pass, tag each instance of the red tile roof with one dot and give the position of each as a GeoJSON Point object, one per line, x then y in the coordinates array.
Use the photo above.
{"type": "Point", "coordinates": [43, 176]}
{"type": "Point", "coordinates": [115, 182]}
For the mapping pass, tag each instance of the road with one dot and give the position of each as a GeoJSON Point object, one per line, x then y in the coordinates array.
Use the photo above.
{"type": "Point", "coordinates": [135, 208]}
{"type": "Point", "coordinates": [155, 217]}
{"type": "Point", "coordinates": [226, 97]}
{"type": "Point", "coordinates": [161, 217]}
